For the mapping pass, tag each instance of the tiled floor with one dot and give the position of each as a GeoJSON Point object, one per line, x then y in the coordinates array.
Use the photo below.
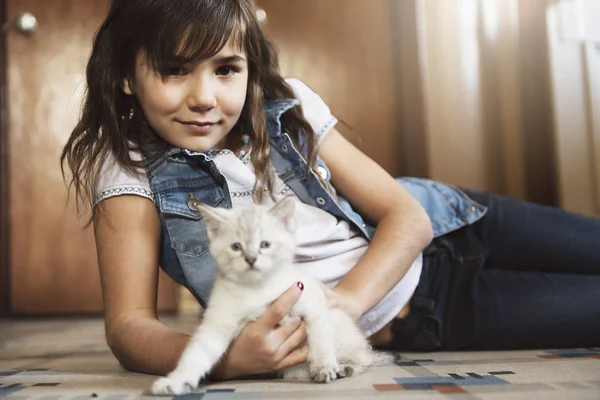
{"type": "Point", "coordinates": [68, 359]}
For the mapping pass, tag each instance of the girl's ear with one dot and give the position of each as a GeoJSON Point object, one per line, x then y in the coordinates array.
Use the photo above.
{"type": "Point", "coordinates": [284, 211]}
{"type": "Point", "coordinates": [214, 219]}
{"type": "Point", "coordinates": [127, 86]}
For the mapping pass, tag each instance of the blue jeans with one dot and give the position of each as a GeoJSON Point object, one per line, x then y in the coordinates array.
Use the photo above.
{"type": "Point", "coordinates": [524, 276]}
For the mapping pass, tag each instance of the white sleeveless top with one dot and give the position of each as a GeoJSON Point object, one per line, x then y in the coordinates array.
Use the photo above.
{"type": "Point", "coordinates": [326, 247]}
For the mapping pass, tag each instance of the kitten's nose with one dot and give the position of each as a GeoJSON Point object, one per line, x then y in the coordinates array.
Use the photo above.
{"type": "Point", "coordinates": [250, 260]}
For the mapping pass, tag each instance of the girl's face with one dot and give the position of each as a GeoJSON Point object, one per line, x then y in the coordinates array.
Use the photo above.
{"type": "Point", "coordinates": [193, 105]}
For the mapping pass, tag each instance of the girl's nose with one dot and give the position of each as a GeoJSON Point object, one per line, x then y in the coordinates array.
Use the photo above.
{"type": "Point", "coordinates": [202, 95]}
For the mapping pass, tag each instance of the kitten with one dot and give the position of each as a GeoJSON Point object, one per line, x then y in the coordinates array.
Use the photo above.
{"type": "Point", "coordinates": [254, 250]}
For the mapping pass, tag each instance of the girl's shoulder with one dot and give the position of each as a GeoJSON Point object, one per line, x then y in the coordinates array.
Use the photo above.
{"type": "Point", "coordinates": [114, 180]}
{"type": "Point", "coordinates": [315, 110]}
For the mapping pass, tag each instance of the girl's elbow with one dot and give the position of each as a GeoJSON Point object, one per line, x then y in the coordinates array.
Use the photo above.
{"type": "Point", "coordinates": [116, 344]}
{"type": "Point", "coordinates": [120, 353]}
{"type": "Point", "coordinates": [428, 235]}
{"type": "Point", "coordinates": [425, 227]}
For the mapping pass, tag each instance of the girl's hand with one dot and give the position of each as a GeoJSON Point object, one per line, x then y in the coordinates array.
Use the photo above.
{"type": "Point", "coordinates": [263, 345]}
{"type": "Point", "coordinates": [345, 301]}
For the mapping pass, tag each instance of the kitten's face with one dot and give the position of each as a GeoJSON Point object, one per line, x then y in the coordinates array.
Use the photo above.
{"type": "Point", "coordinates": [249, 244]}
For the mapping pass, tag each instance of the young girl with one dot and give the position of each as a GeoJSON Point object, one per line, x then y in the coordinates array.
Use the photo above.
{"type": "Point", "coordinates": [185, 104]}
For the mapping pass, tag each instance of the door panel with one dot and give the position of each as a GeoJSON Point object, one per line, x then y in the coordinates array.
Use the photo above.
{"type": "Point", "coordinates": [342, 49]}
{"type": "Point", "coordinates": [53, 266]}
{"type": "Point", "coordinates": [4, 277]}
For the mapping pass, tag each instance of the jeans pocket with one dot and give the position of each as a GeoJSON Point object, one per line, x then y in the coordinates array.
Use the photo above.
{"type": "Point", "coordinates": [462, 246]}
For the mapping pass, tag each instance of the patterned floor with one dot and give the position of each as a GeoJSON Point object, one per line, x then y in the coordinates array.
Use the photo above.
{"type": "Point", "coordinates": [68, 359]}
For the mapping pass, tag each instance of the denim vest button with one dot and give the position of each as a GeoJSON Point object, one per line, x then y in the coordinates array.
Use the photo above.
{"type": "Point", "coordinates": [193, 204]}
{"type": "Point", "coordinates": [321, 201]}
{"type": "Point", "coordinates": [473, 209]}
{"type": "Point", "coordinates": [284, 148]}
{"type": "Point", "coordinates": [322, 172]}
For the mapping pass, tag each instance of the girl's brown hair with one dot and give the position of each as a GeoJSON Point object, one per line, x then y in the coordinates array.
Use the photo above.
{"type": "Point", "coordinates": [193, 29]}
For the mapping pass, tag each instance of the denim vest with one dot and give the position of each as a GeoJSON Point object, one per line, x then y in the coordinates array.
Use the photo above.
{"type": "Point", "coordinates": [181, 177]}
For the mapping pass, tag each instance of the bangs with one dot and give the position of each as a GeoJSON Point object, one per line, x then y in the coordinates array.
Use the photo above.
{"type": "Point", "coordinates": [192, 30]}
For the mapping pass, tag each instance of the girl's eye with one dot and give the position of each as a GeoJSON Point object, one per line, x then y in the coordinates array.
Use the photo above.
{"type": "Point", "coordinates": [236, 247]}
{"type": "Point", "coordinates": [265, 245]}
{"type": "Point", "coordinates": [174, 71]}
{"type": "Point", "coordinates": [226, 71]}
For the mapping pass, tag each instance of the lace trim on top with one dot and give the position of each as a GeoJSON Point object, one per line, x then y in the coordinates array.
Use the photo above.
{"type": "Point", "coordinates": [220, 152]}
{"type": "Point", "coordinates": [123, 190]}
{"type": "Point", "coordinates": [328, 125]}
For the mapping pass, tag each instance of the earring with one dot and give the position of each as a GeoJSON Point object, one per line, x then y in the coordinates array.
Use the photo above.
{"type": "Point", "coordinates": [245, 146]}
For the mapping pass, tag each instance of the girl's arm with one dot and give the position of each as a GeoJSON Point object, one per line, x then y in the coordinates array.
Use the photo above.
{"type": "Point", "coordinates": [403, 226]}
{"type": "Point", "coordinates": [127, 230]}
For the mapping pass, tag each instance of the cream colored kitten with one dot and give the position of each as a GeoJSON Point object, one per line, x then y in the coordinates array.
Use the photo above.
{"type": "Point", "coordinates": [254, 250]}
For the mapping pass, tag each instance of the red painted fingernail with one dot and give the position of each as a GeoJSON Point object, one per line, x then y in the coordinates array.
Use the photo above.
{"type": "Point", "coordinates": [300, 285]}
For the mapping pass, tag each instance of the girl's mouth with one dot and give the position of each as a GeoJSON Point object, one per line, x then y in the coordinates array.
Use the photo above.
{"type": "Point", "coordinates": [199, 126]}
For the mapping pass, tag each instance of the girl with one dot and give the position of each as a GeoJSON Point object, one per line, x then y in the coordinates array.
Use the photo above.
{"type": "Point", "coordinates": [185, 104]}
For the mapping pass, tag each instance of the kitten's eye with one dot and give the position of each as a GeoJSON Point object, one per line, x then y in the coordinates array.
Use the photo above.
{"type": "Point", "coordinates": [236, 247]}
{"type": "Point", "coordinates": [265, 245]}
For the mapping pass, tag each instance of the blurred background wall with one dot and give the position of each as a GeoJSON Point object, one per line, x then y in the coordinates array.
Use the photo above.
{"type": "Point", "coordinates": [498, 95]}
{"type": "Point", "coordinates": [454, 90]}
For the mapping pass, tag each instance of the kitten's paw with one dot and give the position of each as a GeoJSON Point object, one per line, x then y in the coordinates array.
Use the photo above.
{"type": "Point", "coordinates": [324, 373]}
{"type": "Point", "coordinates": [173, 386]}
{"type": "Point", "coordinates": [348, 370]}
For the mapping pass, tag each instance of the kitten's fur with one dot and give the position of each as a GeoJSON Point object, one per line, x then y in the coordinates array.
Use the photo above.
{"type": "Point", "coordinates": [242, 292]}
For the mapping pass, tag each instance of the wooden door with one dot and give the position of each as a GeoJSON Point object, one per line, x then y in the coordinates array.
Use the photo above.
{"type": "Point", "coordinates": [52, 258]}
{"type": "Point", "coordinates": [345, 51]}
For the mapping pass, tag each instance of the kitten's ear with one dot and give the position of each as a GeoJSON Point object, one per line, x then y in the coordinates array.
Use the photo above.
{"type": "Point", "coordinates": [284, 211]}
{"type": "Point", "coordinates": [214, 219]}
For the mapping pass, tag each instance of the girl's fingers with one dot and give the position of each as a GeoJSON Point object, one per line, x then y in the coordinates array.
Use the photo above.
{"type": "Point", "coordinates": [283, 332]}
{"type": "Point", "coordinates": [291, 341]}
{"type": "Point", "coordinates": [295, 357]}
{"type": "Point", "coordinates": [280, 307]}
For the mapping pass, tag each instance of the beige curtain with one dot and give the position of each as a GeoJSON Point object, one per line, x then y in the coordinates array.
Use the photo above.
{"type": "Point", "coordinates": [574, 43]}
{"type": "Point", "coordinates": [486, 107]}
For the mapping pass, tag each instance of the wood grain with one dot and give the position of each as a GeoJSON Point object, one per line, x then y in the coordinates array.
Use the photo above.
{"type": "Point", "coordinates": [4, 252]}
{"type": "Point", "coordinates": [53, 264]}
{"type": "Point", "coordinates": [342, 50]}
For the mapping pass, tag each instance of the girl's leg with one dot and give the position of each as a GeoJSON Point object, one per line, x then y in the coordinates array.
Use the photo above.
{"type": "Point", "coordinates": [516, 309]}
{"type": "Point", "coordinates": [540, 286]}
{"type": "Point", "coordinates": [525, 276]}
{"type": "Point", "coordinates": [530, 237]}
